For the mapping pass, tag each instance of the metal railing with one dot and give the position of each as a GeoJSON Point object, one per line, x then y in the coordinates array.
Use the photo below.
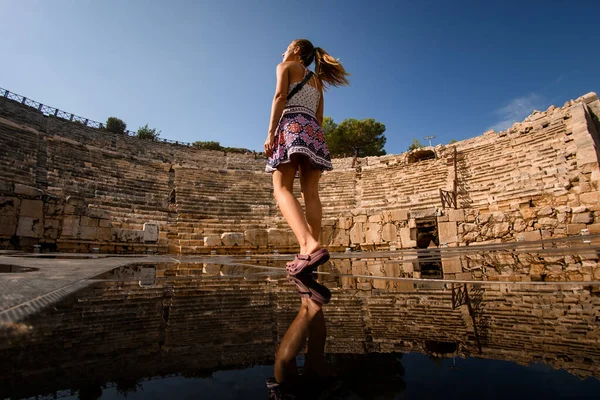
{"type": "Point", "coordinates": [55, 112]}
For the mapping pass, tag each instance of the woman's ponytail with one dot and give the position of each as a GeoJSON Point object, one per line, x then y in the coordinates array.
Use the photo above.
{"type": "Point", "coordinates": [330, 70]}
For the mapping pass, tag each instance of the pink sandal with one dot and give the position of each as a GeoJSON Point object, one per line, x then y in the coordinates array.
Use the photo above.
{"type": "Point", "coordinates": [309, 262]}
{"type": "Point", "coordinates": [308, 287]}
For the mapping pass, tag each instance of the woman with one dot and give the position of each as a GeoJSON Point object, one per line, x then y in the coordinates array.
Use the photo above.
{"type": "Point", "coordinates": [295, 144]}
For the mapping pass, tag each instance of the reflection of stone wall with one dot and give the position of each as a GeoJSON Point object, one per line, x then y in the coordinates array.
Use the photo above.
{"type": "Point", "coordinates": [537, 180]}
{"type": "Point", "coordinates": [205, 322]}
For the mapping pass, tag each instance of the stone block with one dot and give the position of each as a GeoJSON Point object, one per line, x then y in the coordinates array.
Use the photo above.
{"type": "Point", "coordinates": [373, 232]}
{"type": "Point", "coordinates": [51, 224]}
{"type": "Point", "coordinates": [579, 209]}
{"type": "Point", "coordinates": [456, 215]}
{"type": "Point", "coordinates": [32, 208]}
{"type": "Point", "coordinates": [399, 215]}
{"type": "Point", "coordinates": [28, 191]}
{"type": "Point", "coordinates": [98, 213]}
{"type": "Point", "coordinates": [357, 235]}
{"type": "Point", "coordinates": [256, 237]}
{"type": "Point", "coordinates": [30, 227]}
{"type": "Point", "coordinates": [389, 233]}
{"type": "Point", "coordinates": [595, 179]}
{"type": "Point", "coordinates": [375, 218]}
{"type": "Point", "coordinates": [104, 223]}
{"type": "Point", "coordinates": [592, 198]}
{"type": "Point", "coordinates": [381, 284]}
{"type": "Point", "coordinates": [103, 234]}
{"type": "Point", "coordinates": [341, 237]}
{"type": "Point", "coordinates": [232, 238]}
{"type": "Point", "coordinates": [408, 267]}
{"type": "Point", "coordinates": [87, 221]}
{"type": "Point", "coordinates": [447, 232]}
{"type": "Point", "coordinates": [278, 237]}
{"type": "Point", "coordinates": [8, 225]}
{"type": "Point", "coordinates": [360, 219]}
{"type": "Point", "coordinates": [344, 223]}
{"type": "Point", "coordinates": [519, 225]}
{"type": "Point", "coordinates": [9, 206]}
{"type": "Point", "coordinates": [212, 240]}
{"type": "Point", "coordinates": [87, 232]}
{"type": "Point", "coordinates": [443, 218]}
{"type": "Point", "coordinates": [451, 265]}
{"type": "Point", "coordinates": [326, 235]}
{"type": "Point", "coordinates": [531, 236]}
{"type": "Point", "coordinates": [408, 237]}
{"type": "Point", "coordinates": [544, 211]}
{"type": "Point", "coordinates": [412, 223]}
{"type": "Point", "coordinates": [593, 228]}
{"type": "Point", "coordinates": [547, 222]}
{"type": "Point", "coordinates": [53, 209]}
{"type": "Point", "coordinates": [359, 268]}
{"type": "Point", "coordinates": [50, 233]}
{"type": "Point", "coordinates": [70, 227]}
{"type": "Point", "coordinates": [498, 216]}
{"type": "Point", "coordinates": [500, 229]}
{"type": "Point", "coordinates": [329, 222]}
{"type": "Point", "coordinates": [581, 218]}
{"type": "Point", "coordinates": [151, 232]}
{"type": "Point", "coordinates": [527, 212]}
{"type": "Point", "coordinates": [125, 235]}
{"type": "Point", "coordinates": [575, 229]}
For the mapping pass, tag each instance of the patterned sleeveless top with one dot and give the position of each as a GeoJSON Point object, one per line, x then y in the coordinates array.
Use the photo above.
{"type": "Point", "coordinates": [307, 97]}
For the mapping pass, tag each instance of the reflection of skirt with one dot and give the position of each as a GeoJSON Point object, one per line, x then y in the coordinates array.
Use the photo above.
{"type": "Point", "coordinates": [299, 133]}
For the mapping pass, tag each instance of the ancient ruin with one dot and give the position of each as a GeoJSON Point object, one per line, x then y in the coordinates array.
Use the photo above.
{"type": "Point", "coordinates": [68, 187]}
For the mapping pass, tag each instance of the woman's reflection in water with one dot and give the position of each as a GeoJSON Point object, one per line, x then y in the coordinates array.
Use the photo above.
{"type": "Point", "coordinates": [309, 325]}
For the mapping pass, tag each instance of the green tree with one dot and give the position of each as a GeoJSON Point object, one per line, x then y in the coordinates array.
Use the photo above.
{"type": "Point", "coordinates": [115, 125]}
{"type": "Point", "coordinates": [453, 141]}
{"type": "Point", "coordinates": [415, 145]}
{"type": "Point", "coordinates": [354, 137]}
{"type": "Point", "coordinates": [328, 126]}
{"type": "Point", "coordinates": [147, 133]}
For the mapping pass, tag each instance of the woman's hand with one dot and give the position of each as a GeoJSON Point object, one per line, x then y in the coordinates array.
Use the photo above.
{"type": "Point", "coordinates": [270, 144]}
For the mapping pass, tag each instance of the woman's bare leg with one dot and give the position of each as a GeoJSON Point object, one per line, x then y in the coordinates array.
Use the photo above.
{"type": "Point", "coordinates": [293, 341]}
{"type": "Point", "coordinates": [309, 182]}
{"type": "Point", "coordinates": [315, 353]}
{"type": "Point", "coordinates": [283, 184]}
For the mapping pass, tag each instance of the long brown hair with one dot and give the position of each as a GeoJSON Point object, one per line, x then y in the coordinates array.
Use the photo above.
{"type": "Point", "coordinates": [327, 68]}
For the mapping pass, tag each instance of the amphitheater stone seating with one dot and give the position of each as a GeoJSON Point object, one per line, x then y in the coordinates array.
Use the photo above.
{"type": "Point", "coordinates": [206, 200]}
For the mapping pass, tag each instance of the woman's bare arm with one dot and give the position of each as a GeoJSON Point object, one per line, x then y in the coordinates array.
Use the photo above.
{"type": "Point", "coordinates": [320, 108]}
{"type": "Point", "coordinates": [279, 101]}
{"type": "Point", "coordinates": [280, 96]}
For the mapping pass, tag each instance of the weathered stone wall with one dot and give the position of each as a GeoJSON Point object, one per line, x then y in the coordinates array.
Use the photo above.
{"type": "Point", "coordinates": [537, 180]}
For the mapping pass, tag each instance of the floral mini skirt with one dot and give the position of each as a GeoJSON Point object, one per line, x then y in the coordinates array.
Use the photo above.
{"type": "Point", "coordinates": [299, 133]}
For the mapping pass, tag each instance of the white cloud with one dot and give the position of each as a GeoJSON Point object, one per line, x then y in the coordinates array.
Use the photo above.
{"type": "Point", "coordinates": [517, 110]}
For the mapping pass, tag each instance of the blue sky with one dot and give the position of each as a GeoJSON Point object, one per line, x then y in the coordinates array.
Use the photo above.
{"type": "Point", "coordinates": [205, 70]}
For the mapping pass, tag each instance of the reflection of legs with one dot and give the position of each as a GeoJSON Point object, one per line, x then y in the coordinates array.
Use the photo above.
{"type": "Point", "coordinates": [315, 354]}
{"type": "Point", "coordinates": [309, 182]}
{"type": "Point", "coordinates": [293, 341]}
{"type": "Point", "coordinates": [283, 184]}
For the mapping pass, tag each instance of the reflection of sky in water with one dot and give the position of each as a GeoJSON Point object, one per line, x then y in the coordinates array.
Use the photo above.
{"type": "Point", "coordinates": [447, 348]}
{"type": "Point", "coordinates": [424, 378]}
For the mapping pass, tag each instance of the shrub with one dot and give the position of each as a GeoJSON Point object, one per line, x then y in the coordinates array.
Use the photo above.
{"type": "Point", "coordinates": [210, 145]}
{"type": "Point", "coordinates": [147, 133]}
{"type": "Point", "coordinates": [115, 125]}
{"type": "Point", "coordinates": [415, 145]}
